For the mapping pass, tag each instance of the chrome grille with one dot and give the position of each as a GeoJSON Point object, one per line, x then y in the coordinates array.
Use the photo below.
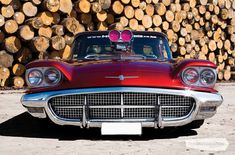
{"type": "Point", "coordinates": [104, 113]}
{"type": "Point", "coordinates": [69, 100]}
{"type": "Point", "coordinates": [104, 99]}
{"type": "Point", "coordinates": [121, 105]}
{"type": "Point", "coordinates": [69, 113]}
{"type": "Point", "coordinates": [140, 99]}
{"type": "Point", "coordinates": [139, 113]}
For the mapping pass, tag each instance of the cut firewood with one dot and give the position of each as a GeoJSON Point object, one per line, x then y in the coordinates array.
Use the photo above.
{"type": "Point", "coordinates": [105, 4]}
{"type": "Point", "coordinates": [116, 26]}
{"type": "Point", "coordinates": [142, 5]}
{"type": "Point", "coordinates": [160, 9]}
{"type": "Point", "coordinates": [227, 45]}
{"type": "Point", "coordinates": [157, 20]}
{"type": "Point", "coordinates": [7, 11]}
{"type": "Point", "coordinates": [96, 7]}
{"type": "Point", "coordinates": [165, 25]}
{"type": "Point", "coordinates": [26, 32]}
{"type": "Point", "coordinates": [174, 47]}
{"type": "Point", "coordinates": [227, 75]}
{"type": "Point", "coordinates": [149, 9]}
{"type": "Point", "coordinates": [133, 24]}
{"type": "Point", "coordinates": [19, 17]}
{"type": "Point", "coordinates": [4, 74]}
{"type": "Point", "coordinates": [40, 44]}
{"type": "Point", "coordinates": [58, 42]}
{"type": "Point", "coordinates": [212, 45]}
{"type": "Point", "coordinates": [54, 5]}
{"type": "Point", "coordinates": [29, 9]}
{"type": "Point", "coordinates": [135, 3]}
{"type": "Point", "coordinates": [169, 16]}
{"type": "Point", "coordinates": [118, 7]}
{"type": "Point", "coordinates": [125, 1]}
{"type": "Point", "coordinates": [66, 53]}
{"type": "Point", "coordinates": [124, 21]}
{"type": "Point", "coordinates": [6, 59]}
{"type": "Point", "coordinates": [11, 26]}
{"type": "Point", "coordinates": [35, 22]}
{"type": "Point", "coordinates": [45, 31]}
{"type": "Point", "coordinates": [176, 26]}
{"type": "Point", "coordinates": [73, 26]}
{"type": "Point", "coordinates": [84, 6]}
{"type": "Point", "coordinates": [139, 14]}
{"type": "Point", "coordinates": [37, 2]}
{"type": "Point", "coordinates": [181, 41]}
{"type": "Point", "coordinates": [102, 16]}
{"type": "Point", "coordinates": [58, 30]}
{"type": "Point", "coordinates": [68, 39]}
{"type": "Point", "coordinates": [18, 69]}
{"type": "Point", "coordinates": [129, 11]}
{"type": "Point", "coordinates": [12, 44]}
{"type": "Point", "coordinates": [102, 26]}
{"type": "Point", "coordinates": [5, 2]}
{"type": "Point", "coordinates": [147, 21]}
{"type": "Point", "coordinates": [46, 17]}
{"type": "Point", "coordinates": [140, 28]}
{"type": "Point", "coordinates": [66, 6]}
{"type": "Point", "coordinates": [18, 82]}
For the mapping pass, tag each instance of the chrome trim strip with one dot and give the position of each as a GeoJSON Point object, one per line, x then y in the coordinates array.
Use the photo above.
{"type": "Point", "coordinates": [201, 98]}
{"type": "Point", "coordinates": [114, 106]}
{"type": "Point", "coordinates": [122, 109]}
{"type": "Point", "coordinates": [84, 121]}
{"type": "Point", "coordinates": [160, 114]}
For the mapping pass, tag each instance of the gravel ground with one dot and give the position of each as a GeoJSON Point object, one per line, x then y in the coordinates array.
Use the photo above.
{"type": "Point", "coordinates": [22, 134]}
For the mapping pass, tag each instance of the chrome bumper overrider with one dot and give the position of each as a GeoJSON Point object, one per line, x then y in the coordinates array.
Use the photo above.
{"type": "Point", "coordinates": [206, 104]}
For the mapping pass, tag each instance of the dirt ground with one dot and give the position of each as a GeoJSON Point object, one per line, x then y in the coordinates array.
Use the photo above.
{"type": "Point", "coordinates": [22, 134]}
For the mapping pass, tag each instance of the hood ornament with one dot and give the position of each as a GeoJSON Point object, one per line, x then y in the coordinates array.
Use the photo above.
{"type": "Point", "coordinates": [121, 77]}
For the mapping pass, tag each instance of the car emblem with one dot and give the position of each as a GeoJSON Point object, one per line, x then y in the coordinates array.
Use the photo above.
{"type": "Point", "coordinates": [121, 77]}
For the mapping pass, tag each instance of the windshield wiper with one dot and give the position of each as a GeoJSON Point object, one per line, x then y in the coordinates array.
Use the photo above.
{"type": "Point", "coordinates": [96, 56]}
{"type": "Point", "coordinates": [135, 57]}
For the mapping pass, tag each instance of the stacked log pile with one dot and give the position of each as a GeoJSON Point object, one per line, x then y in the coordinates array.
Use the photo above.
{"type": "Point", "coordinates": [41, 29]}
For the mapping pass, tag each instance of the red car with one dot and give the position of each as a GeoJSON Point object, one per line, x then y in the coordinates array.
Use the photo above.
{"type": "Point", "coordinates": [122, 81]}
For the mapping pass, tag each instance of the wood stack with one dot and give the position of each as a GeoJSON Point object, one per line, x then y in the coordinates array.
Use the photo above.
{"type": "Point", "coordinates": [39, 29]}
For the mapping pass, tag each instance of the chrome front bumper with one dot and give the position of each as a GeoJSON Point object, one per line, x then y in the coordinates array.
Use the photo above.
{"type": "Point", "coordinates": [206, 105]}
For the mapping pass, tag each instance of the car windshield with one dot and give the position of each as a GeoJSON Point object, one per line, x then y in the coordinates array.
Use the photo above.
{"type": "Point", "coordinates": [142, 46]}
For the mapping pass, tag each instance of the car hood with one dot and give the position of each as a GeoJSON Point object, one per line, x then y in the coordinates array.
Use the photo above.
{"type": "Point", "coordinates": [119, 73]}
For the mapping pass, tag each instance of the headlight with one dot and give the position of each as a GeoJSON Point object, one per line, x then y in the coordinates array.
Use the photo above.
{"type": "Point", "coordinates": [35, 77]}
{"type": "Point", "coordinates": [207, 77]}
{"type": "Point", "coordinates": [190, 76]}
{"type": "Point", "coordinates": [43, 76]}
{"type": "Point", "coordinates": [199, 76]}
{"type": "Point", "coordinates": [52, 76]}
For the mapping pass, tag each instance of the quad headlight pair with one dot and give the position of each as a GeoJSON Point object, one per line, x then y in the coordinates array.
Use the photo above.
{"type": "Point", "coordinates": [43, 76]}
{"type": "Point", "coordinates": [199, 76]}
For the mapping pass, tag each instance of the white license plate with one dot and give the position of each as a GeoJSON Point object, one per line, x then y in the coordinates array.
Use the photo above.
{"type": "Point", "coordinates": [121, 129]}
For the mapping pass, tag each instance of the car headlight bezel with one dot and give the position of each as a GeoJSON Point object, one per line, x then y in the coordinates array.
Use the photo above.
{"type": "Point", "coordinates": [201, 71]}
{"type": "Point", "coordinates": [29, 77]}
{"type": "Point", "coordinates": [188, 73]}
{"type": "Point", "coordinates": [49, 78]}
{"type": "Point", "coordinates": [44, 81]}
{"type": "Point", "coordinates": [202, 77]}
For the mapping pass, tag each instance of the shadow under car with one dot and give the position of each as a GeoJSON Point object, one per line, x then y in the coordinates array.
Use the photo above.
{"type": "Point", "coordinates": [24, 125]}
